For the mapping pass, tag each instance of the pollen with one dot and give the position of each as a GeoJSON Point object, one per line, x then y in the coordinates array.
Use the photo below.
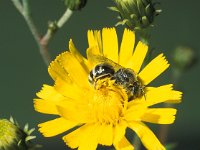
{"type": "Point", "coordinates": [108, 103]}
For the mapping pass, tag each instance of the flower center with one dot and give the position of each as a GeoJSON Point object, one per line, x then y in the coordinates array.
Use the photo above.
{"type": "Point", "coordinates": [109, 102]}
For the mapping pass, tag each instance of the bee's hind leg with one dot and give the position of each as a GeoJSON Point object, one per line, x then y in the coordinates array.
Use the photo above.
{"type": "Point", "coordinates": [143, 92]}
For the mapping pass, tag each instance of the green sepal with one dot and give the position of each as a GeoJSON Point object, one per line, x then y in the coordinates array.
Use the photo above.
{"type": "Point", "coordinates": [113, 9]}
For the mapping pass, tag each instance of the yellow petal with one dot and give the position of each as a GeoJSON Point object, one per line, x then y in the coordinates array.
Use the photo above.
{"type": "Point", "coordinates": [73, 139]}
{"type": "Point", "coordinates": [56, 70]}
{"type": "Point", "coordinates": [126, 49]}
{"type": "Point", "coordinates": [176, 97]}
{"type": "Point", "coordinates": [49, 98]}
{"type": "Point", "coordinates": [159, 115]}
{"type": "Point", "coordinates": [76, 72]}
{"type": "Point", "coordinates": [84, 137]}
{"type": "Point", "coordinates": [119, 131]}
{"type": "Point", "coordinates": [124, 144]}
{"type": "Point", "coordinates": [147, 137]}
{"type": "Point", "coordinates": [138, 57]}
{"type": "Point", "coordinates": [89, 140]}
{"type": "Point", "coordinates": [158, 95]}
{"type": "Point", "coordinates": [56, 126]}
{"type": "Point", "coordinates": [97, 36]}
{"type": "Point", "coordinates": [106, 134]}
{"type": "Point", "coordinates": [94, 39]}
{"type": "Point", "coordinates": [162, 94]}
{"type": "Point", "coordinates": [72, 91]}
{"type": "Point", "coordinates": [110, 44]}
{"type": "Point", "coordinates": [74, 111]}
{"type": "Point", "coordinates": [153, 69]}
{"type": "Point", "coordinates": [78, 56]}
{"type": "Point", "coordinates": [91, 40]}
{"type": "Point", "coordinates": [134, 112]}
{"type": "Point", "coordinates": [49, 93]}
{"type": "Point", "coordinates": [91, 52]}
{"type": "Point", "coordinates": [44, 106]}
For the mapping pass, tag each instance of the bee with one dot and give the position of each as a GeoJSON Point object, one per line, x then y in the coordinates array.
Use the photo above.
{"type": "Point", "coordinates": [123, 77]}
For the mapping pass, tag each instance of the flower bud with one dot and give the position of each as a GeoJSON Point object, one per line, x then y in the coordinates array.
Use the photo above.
{"type": "Point", "coordinates": [12, 137]}
{"type": "Point", "coordinates": [184, 57]}
{"type": "Point", "coordinates": [136, 14]}
{"type": "Point", "coordinates": [75, 4]}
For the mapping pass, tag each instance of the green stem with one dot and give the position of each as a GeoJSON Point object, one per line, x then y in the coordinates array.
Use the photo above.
{"type": "Point", "coordinates": [65, 17]}
{"type": "Point", "coordinates": [43, 49]}
{"type": "Point", "coordinates": [26, 6]}
{"type": "Point", "coordinates": [53, 27]}
{"type": "Point", "coordinates": [18, 5]}
{"type": "Point", "coordinates": [25, 12]}
{"type": "Point", "coordinates": [43, 42]}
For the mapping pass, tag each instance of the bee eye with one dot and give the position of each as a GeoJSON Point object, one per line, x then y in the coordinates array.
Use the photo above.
{"type": "Point", "coordinates": [104, 69]}
{"type": "Point", "coordinates": [90, 77]}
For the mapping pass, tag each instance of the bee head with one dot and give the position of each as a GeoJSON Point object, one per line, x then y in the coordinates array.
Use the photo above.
{"type": "Point", "coordinates": [100, 71]}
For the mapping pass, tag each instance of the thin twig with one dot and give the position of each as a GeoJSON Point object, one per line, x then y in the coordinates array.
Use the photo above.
{"type": "Point", "coordinates": [43, 42]}
{"type": "Point", "coordinates": [18, 5]}
{"type": "Point", "coordinates": [26, 6]}
{"type": "Point", "coordinates": [54, 26]}
{"type": "Point", "coordinates": [64, 18]}
{"type": "Point", "coordinates": [43, 49]}
{"type": "Point", "coordinates": [24, 10]}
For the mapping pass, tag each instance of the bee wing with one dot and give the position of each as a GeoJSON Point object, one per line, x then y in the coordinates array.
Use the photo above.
{"type": "Point", "coordinates": [100, 59]}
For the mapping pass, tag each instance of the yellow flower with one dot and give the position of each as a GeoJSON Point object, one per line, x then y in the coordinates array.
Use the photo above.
{"type": "Point", "coordinates": [101, 114]}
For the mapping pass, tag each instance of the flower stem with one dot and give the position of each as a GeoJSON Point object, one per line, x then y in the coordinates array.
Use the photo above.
{"type": "Point", "coordinates": [43, 49]}
{"type": "Point", "coordinates": [64, 18]}
{"type": "Point", "coordinates": [24, 9]}
{"type": "Point", "coordinates": [53, 27]}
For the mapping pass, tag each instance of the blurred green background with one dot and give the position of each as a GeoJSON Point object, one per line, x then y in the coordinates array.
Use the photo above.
{"type": "Point", "coordinates": [23, 71]}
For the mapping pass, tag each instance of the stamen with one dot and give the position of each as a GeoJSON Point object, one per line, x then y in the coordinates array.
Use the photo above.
{"type": "Point", "coordinates": [109, 102]}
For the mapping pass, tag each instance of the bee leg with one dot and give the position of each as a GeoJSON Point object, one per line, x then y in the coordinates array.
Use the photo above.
{"type": "Point", "coordinates": [95, 85]}
{"type": "Point", "coordinates": [143, 92]}
{"type": "Point", "coordinates": [131, 97]}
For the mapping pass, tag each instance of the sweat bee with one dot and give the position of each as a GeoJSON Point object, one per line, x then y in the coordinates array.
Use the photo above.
{"type": "Point", "coordinates": [124, 77]}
